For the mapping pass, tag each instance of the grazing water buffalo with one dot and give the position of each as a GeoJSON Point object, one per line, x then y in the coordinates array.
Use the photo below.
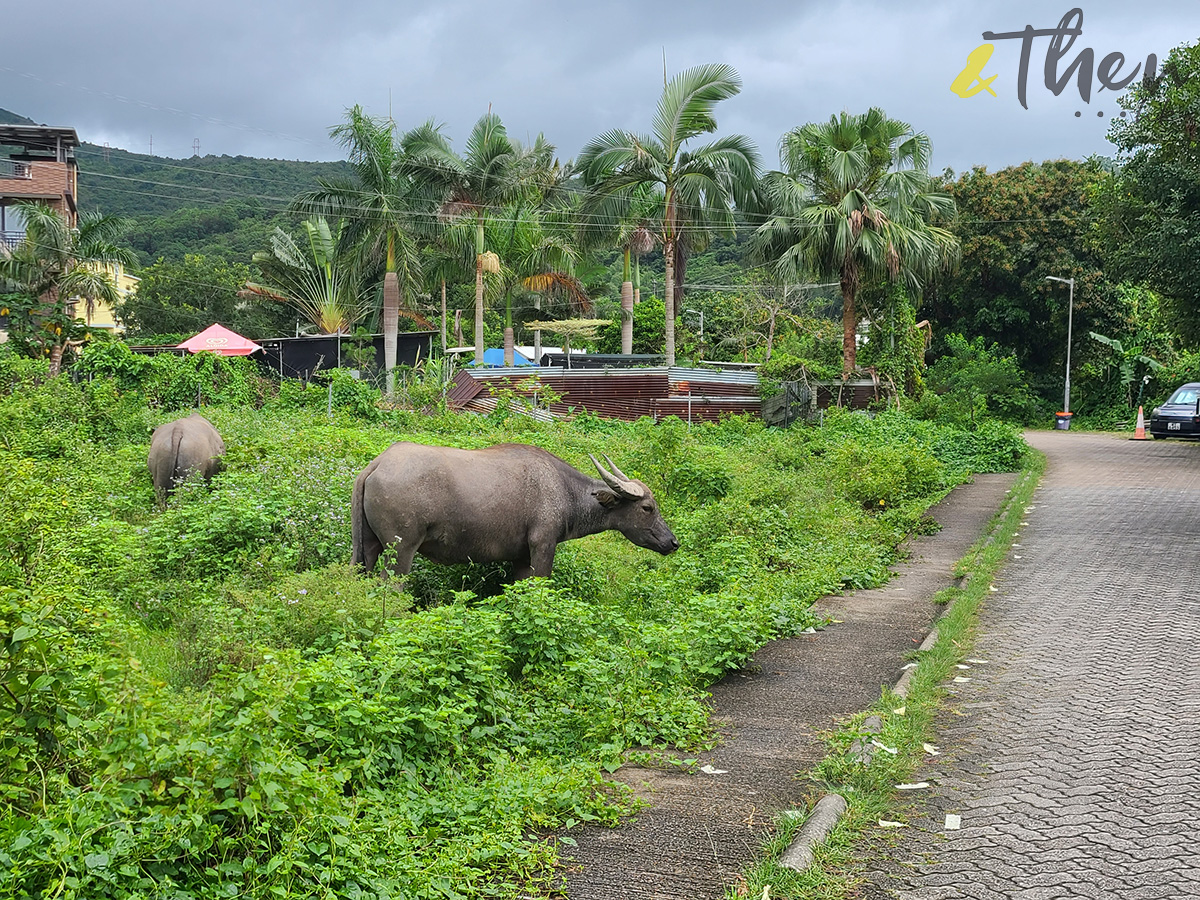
{"type": "Point", "coordinates": [181, 448]}
{"type": "Point", "coordinates": [510, 502]}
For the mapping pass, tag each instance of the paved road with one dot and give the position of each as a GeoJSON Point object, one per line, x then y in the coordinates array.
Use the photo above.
{"type": "Point", "coordinates": [1073, 754]}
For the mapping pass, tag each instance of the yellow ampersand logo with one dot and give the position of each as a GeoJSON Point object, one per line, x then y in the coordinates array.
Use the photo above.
{"type": "Point", "coordinates": [968, 83]}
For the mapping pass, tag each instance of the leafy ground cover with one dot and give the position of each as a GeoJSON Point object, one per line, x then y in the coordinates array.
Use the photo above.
{"type": "Point", "coordinates": [207, 701]}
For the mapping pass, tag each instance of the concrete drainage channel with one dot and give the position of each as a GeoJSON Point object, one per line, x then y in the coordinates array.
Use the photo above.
{"type": "Point", "coordinates": [829, 810]}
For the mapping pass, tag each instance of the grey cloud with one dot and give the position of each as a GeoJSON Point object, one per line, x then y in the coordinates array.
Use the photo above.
{"type": "Point", "coordinates": [270, 78]}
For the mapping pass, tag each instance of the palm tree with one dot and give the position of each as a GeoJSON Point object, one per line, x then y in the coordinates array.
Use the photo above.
{"type": "Point", "coordinates": [710, 178]}
{"type": "Point", "coordinates": [56, 265]}
{"type": "Point", "coordinates": [855, 201]}
{"type": "Point", "coordinates": [493, 171]}
{"type": "Point", "coordinates": [535, 256]}
{"type": "Point", "coordinates": [623, 219]}
{"type": "Point", "coordinates": [324, 284]}
{"type": "Point", "coordinates": [378, 205]}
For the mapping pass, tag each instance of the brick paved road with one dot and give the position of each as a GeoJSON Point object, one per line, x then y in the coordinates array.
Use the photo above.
{"type": "Point", "coordinates": [1073, 754]}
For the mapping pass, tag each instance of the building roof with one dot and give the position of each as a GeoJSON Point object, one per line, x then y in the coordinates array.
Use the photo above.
{"type": "Point", "coordinates": [47, 138]}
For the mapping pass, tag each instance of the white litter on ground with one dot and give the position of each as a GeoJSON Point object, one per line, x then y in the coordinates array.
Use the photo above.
{"type": "Point", "coordinates": [953, 822]}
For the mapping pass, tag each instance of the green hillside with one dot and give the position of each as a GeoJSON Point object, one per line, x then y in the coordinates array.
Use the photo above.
{"type": "Point", "coordinates": [219, 206]}
{"type": "Point", "coordinates": [11, 118]}
{"type": "Point", "coordinates": [135, 184]}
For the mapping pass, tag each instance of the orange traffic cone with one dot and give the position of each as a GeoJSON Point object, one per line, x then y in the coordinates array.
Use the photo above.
{"type": "Point", "coordinates": [1139, 433]}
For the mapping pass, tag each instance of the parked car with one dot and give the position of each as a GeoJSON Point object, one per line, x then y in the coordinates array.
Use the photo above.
{"type": "Point", "coordinates": [1180, 415]}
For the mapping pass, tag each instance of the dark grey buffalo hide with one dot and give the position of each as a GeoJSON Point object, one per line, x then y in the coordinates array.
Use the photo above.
{"type": "Point", "coordinates": [182, 448]}
{"type": "Point", "coordinates": [510, 502]}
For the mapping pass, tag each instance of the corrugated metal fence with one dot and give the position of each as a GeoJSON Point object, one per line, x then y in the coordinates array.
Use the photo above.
{"type": "Point", "coordinates": [697, 395]}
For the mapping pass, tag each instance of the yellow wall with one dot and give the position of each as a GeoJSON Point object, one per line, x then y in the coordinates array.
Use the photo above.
{"type": "Point", "coordinates": [102, 315]}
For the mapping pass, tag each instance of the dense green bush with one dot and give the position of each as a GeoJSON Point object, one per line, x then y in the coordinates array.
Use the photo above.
{"type": "Point", "coordinates": [211, 702]}
{"type": "Point", "coordinates": [972, 381]}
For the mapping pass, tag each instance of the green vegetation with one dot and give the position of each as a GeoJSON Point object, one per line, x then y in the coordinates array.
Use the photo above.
{"type": "Point", "coordinates": [54, 267]}
{"type": "Point", "coordinates": [206, 701]}
{"type": "Point", "coordinates": [907, 726]}
{"type": "Point", "coordinates": [753, 269]}
{"type": "Point", "coordinates": [854, 202]}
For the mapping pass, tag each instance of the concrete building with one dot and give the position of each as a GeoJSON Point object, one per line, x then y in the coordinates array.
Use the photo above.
{"type": "Point", "coordinates": [37, 162]}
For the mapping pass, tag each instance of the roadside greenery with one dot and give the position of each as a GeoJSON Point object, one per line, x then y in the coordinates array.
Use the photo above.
{"type": "Point", "coordinates": [869, 782]}
{"type": "Point", "coordinates": [207, 701]}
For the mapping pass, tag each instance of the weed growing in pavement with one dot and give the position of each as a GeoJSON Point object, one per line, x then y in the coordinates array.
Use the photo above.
{"type": "Point", "coordinates": [907, 725]}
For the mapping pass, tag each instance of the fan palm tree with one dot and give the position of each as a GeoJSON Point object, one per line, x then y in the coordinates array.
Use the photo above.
{"type": "Point", "coordinates": [323, 285]}
{"type": "Point", "coordinates": [378, 205]}
{"type": "Point", "coordinates": [855, 201]}
{"type": "Point", "coordinates": [711, 178]}
{"type": "Point", "coordinates": [493, 171]}
{"type": "Point", "coordinates": [56, 265]}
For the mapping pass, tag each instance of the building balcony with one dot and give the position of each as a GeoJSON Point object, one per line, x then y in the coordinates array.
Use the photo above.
{"type": "Point", "coordinates": [10, 168]}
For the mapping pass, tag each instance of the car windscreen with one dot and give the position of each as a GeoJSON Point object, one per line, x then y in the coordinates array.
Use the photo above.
{"type": "Point", "coordinates": [1185, 395]}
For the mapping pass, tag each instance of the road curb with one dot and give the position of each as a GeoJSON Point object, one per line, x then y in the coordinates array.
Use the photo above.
{"type": "Point", "coordinates": [826, 814]}
{"type": "Point", "coordinates": [831, 807]}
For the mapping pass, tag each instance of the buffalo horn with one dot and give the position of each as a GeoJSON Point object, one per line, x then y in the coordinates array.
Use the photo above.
{"type": "Point", "coordinates": [623, 485]}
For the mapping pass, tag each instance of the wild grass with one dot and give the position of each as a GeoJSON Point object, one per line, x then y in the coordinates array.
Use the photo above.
{"type": "Point", "coordinates": [208, 701]}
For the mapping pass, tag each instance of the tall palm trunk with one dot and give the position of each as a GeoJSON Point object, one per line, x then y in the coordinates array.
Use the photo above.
{"type": "Point", "coordinates": [509, 342]}
{"type": "Point", "coordinates": [849, 324]}
{"type": "Point", "coordinates": [669, 299]}
{"type": "Point", "coordinates": [627, 309]}
{"type": "Point", "coordinates": [669, 277]}
{"type": "Point", "coordinates": [479, 290]}
{"type": "Point", "coordinates": [391, 316]}
{"type": "Point", "coordinates": [443, 316]}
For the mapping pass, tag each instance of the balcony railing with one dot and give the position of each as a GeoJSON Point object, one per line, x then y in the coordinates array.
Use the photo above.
{"type": "Point", "coordinates": [11, 239]}
{"type": "Point", "coordinates": [10, 168]}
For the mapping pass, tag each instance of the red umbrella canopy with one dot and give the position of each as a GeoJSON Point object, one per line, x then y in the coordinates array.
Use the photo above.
{"type": "Point", "coordinates": [220, 339]}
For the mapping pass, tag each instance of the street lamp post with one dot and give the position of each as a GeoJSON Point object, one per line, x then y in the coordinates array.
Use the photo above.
{"type": "Point", "coordinates": [700, 313]}
{"type": "Point", "coordinates": [1070, 282]}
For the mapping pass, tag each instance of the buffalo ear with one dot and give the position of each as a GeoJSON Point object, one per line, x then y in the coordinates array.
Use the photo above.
{"type": "Point", "coordinates": [606, 498]}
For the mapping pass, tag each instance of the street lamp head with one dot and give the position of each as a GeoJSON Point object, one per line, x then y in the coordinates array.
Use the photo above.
{"type": "Point", "coordinates": [1063, 280]}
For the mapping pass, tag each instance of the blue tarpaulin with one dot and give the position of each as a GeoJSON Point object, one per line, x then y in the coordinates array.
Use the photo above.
{"type": "Point", "coordinates": [494, 356]}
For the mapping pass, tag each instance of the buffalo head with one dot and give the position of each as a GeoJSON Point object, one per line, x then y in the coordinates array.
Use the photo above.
{"type": "Point", "coordinates": [631, 509]}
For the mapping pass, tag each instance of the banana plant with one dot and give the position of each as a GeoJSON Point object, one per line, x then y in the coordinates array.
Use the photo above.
{"type": "Point", "coordinates": [1127, 360]}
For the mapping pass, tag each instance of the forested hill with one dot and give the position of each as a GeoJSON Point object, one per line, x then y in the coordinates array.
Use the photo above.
{"type": "Point", "coordinates": [135, 184]}
{"type": "Point", "coordinates": [219, 206]}
{"type": "Point", "coordinates": [11, 118]}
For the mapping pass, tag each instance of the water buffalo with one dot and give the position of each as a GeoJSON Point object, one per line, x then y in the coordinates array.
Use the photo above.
{"type": "Point", "coordinates": [181, 448]}
{"type": "Point", "coordinates": [510, 502]}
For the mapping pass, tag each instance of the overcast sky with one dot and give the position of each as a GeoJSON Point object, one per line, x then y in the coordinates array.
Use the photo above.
{"type": "Point", "coordinates": [268, 78]}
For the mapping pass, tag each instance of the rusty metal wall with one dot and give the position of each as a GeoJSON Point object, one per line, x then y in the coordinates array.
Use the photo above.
{"type": "Point", "coordinates": [657, 392]}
